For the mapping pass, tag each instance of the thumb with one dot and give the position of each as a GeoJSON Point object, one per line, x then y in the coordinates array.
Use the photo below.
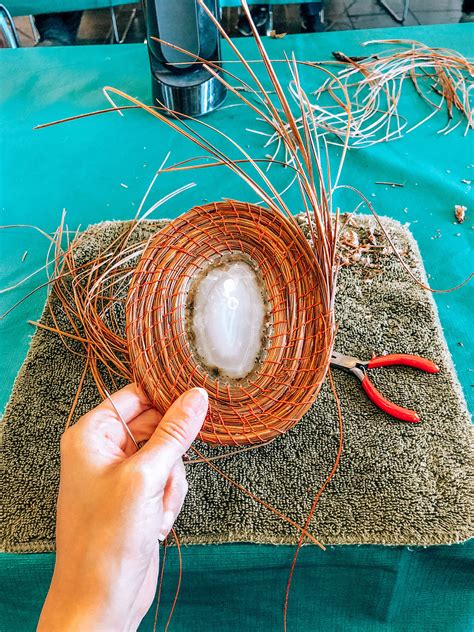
{"type": "Point", "coordinates": [176, 431]}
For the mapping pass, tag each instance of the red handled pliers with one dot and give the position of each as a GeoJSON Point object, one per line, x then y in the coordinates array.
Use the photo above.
{"type": "Point", "coordinates": [359, 368]}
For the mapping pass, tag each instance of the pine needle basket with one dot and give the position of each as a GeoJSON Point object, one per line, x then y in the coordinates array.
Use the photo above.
{"type": "Point", "coordinates": [287, 377]}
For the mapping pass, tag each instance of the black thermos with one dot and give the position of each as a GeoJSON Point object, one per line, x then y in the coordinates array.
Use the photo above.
{"type": "Point", "coordinates": [178, 81]}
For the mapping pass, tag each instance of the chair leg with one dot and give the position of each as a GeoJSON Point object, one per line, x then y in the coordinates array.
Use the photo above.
{"type": "Point", "coordinates": [34, 30]}
{"type": "Point", "coordinates": [114, 37]}
{"type": "Point", "coordinates": [8, 29]}
{"type": "Point", "coordinates": [128, 25]}
{"type": "Point", "coordinates": [398, 18]}
{"type": "Point", "coordinates": [269, 25]}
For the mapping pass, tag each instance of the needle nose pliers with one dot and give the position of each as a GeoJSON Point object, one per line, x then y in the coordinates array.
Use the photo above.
{"type": "Point", "coordinates": [360, 369]}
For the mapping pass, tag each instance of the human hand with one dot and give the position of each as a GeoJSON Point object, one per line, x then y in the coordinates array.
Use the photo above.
{"type": "Point", "coordinates": [114, 505]}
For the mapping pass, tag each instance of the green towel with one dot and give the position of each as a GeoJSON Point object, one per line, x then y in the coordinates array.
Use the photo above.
{"type": "Point", "coordinates": [398, 483]}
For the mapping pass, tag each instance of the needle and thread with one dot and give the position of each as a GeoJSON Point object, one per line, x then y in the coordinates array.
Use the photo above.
{"type": "Point", "coordinates": [125, 425]}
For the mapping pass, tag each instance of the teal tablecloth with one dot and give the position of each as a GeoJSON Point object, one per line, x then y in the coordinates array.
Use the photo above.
{"type": "Point", "coordinates": [35, 7]}
{"type": "Point", "coordinates": [82, 166]}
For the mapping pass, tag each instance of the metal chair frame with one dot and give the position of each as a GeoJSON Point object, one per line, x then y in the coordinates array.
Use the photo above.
{"type": "Point", "coordinates": [113, 35]}
{"type": "Point", "coordinates": [8, 28]}
{"type": "Point", "coordinates": [398, 18]}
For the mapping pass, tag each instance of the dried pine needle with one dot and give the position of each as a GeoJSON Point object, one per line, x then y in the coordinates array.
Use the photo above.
{"type": "Point", "coordinates": [442, 78]}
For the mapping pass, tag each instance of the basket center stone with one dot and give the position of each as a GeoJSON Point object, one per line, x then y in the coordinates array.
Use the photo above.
{"type": "Point", "coordinates": [228, 318]}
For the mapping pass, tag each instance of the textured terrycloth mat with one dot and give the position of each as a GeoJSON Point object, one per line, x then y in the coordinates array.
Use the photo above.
{"type": "Point", "coordinates": [398, 483]}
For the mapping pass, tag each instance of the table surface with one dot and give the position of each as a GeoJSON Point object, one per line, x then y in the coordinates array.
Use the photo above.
{"type": "Point", "coordinates": [98, 169]}
{"type": "Point", "coordinates": [35, 7]}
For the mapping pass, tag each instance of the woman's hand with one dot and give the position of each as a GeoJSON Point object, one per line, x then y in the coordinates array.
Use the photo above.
{"type": "Point", "coordinates": [114, 505]}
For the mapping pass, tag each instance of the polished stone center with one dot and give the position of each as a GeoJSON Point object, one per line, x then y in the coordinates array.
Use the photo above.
{"type": "Point", "coordinates": [228, 318]}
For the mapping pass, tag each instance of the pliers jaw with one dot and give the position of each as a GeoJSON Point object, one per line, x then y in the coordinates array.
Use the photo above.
{"type": "Point", "coordinates": [350, 364]}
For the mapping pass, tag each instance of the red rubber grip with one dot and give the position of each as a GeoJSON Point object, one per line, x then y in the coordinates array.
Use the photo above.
{"type": "Point", "coordinates": [404, 359]}
{"type": "Point", "coordinates": [404, 414]}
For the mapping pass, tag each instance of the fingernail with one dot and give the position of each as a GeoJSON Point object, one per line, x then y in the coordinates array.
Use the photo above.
{"type": "Point", "coordinates": [166, 524]}
{"type": "Point", "coordinates": [194, 401]}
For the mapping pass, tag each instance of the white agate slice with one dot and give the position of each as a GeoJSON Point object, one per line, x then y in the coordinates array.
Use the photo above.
{"type": "Point", "coordinates": [228, 318]}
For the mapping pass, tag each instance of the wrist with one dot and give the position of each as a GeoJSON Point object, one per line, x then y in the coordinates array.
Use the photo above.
{"type": "Point", "coordinates": [75, 608]}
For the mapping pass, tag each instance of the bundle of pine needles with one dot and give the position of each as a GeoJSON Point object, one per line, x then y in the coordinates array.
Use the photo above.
{"type": "Point", "coordinates": [377, 84]}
